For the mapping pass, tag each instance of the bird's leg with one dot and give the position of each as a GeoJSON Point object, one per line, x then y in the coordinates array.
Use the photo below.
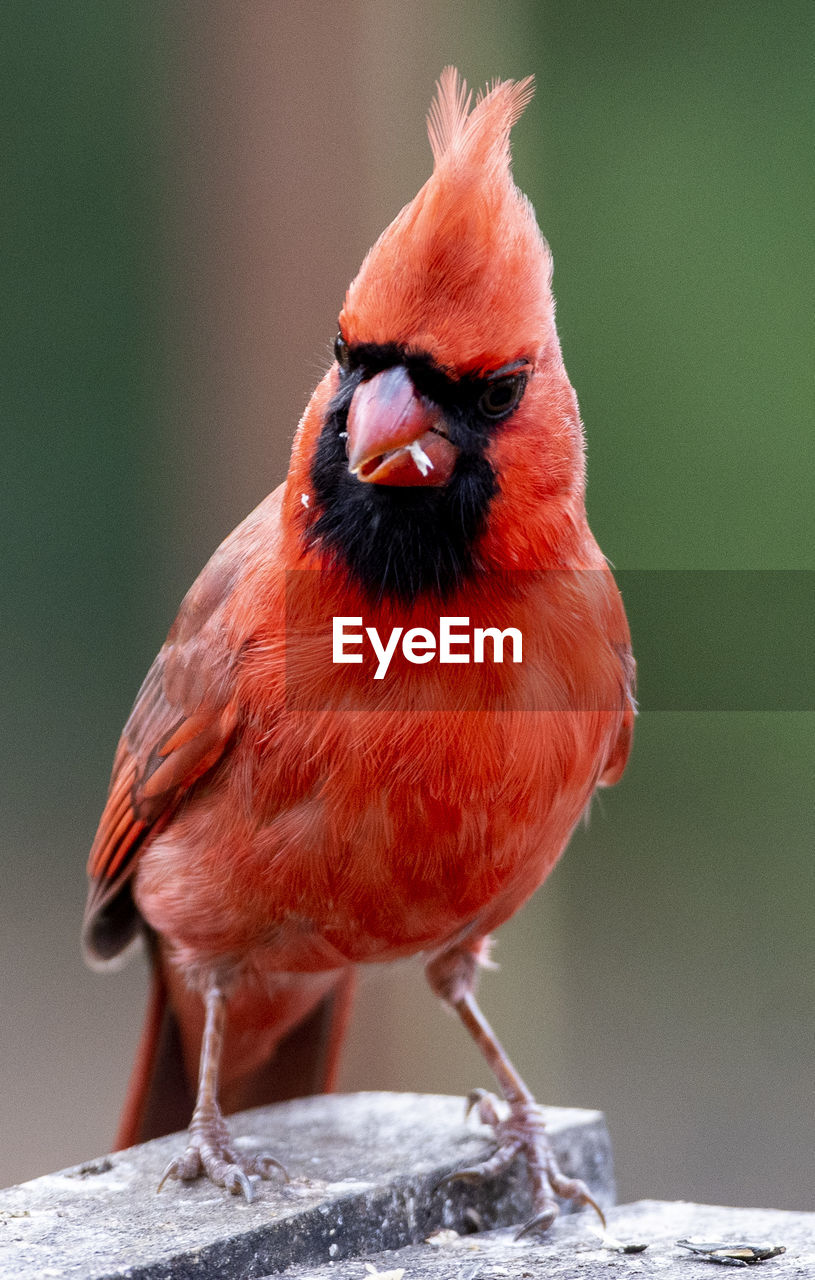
{"type": "Point", "coordinates": [452, 976]}
{"type": "Point", "coordinates": [209, 1151]}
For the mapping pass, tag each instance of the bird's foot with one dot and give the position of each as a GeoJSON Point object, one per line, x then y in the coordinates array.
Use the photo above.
{"type": "Point", "coordinates": [210, 1154]}
{"type": "Point", "coordinates": [523, 1131]}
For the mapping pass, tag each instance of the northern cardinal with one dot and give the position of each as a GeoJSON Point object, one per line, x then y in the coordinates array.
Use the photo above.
{"type": "Point", "coordinates": [266, 834]}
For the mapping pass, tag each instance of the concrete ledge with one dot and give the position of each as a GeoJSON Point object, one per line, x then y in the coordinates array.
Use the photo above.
{"type": "Point", "coordinates": [572, 1250]}
{"type": "Point", "coordinates": [364, 1169]}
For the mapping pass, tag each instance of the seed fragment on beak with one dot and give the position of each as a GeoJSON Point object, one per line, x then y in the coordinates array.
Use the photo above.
{"type": "Point", "coordinates": [419, 456]}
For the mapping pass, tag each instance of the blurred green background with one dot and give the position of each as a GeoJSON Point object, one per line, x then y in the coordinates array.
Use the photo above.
{"type": "Point", "coordinates": [188, 188]}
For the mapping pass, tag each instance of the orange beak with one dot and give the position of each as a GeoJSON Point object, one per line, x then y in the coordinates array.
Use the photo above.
{"type": "Point", "coordinates": [394, 436]}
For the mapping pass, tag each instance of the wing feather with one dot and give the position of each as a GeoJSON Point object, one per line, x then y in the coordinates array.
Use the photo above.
{"type": "Point", "coordinates": [182, 724]}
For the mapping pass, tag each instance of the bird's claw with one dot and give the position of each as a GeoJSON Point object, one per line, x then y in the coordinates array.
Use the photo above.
{"type": "Point", "coordinates": [221, 1168]}
{"type": "Point", "coordinates": [548, 1207]}
{"type": "Point", "coordinates": [523, 1130]}
{"type": "Point", "coordinates": [573, 1189]}
{"type": "Point", "coordinates": [483, 1103]}
{"type": "Point", "coordinates": [265, 1166]}
{"type": "Point", "coordinates": [210, 1154]}
{"type": "Point", "coordinates": [540, 1222]}
{"type": "Point", "coordinates": [471, 1175]}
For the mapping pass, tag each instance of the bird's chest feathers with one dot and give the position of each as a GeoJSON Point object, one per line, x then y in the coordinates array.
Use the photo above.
{"type": "Point", "coordinates": [398, 829]}
{"type": "Point", "coordinates": [364, 836]}
{"type": "Point", "coordinates": [384, 826]}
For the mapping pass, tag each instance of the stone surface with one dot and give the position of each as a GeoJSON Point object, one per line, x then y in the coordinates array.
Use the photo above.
{"type": "Point", "coordinates": [364, 1173]}
{"type": "Point", "coordinates": [573, 1249]}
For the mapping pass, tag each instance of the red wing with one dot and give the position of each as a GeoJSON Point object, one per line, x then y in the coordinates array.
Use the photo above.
{"type": "Point", "coordinates": [163, 750]}
{"type": "Point", "coordinates": [181, 724]}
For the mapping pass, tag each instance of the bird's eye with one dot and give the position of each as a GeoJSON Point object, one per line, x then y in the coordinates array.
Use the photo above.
{"type": "Point", "coordinates": [341, 352]}
{"type": "Point", "coordinates": [502, 396]}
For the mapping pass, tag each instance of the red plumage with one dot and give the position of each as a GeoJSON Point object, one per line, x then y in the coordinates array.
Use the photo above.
{"type": "Point", "coordinates": [266, 847]}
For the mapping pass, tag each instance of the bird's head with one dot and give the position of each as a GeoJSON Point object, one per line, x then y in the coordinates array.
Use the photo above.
{"type": "Point", "coordinates": [448, 439]}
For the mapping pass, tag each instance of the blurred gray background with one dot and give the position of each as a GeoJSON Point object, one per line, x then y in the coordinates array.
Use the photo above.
{"type": "Point", "coordinates": [188, 189]}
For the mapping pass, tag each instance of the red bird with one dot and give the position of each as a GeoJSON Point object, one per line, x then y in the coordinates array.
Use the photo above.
{"type": "Point", "coordinates": [275, 819]}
